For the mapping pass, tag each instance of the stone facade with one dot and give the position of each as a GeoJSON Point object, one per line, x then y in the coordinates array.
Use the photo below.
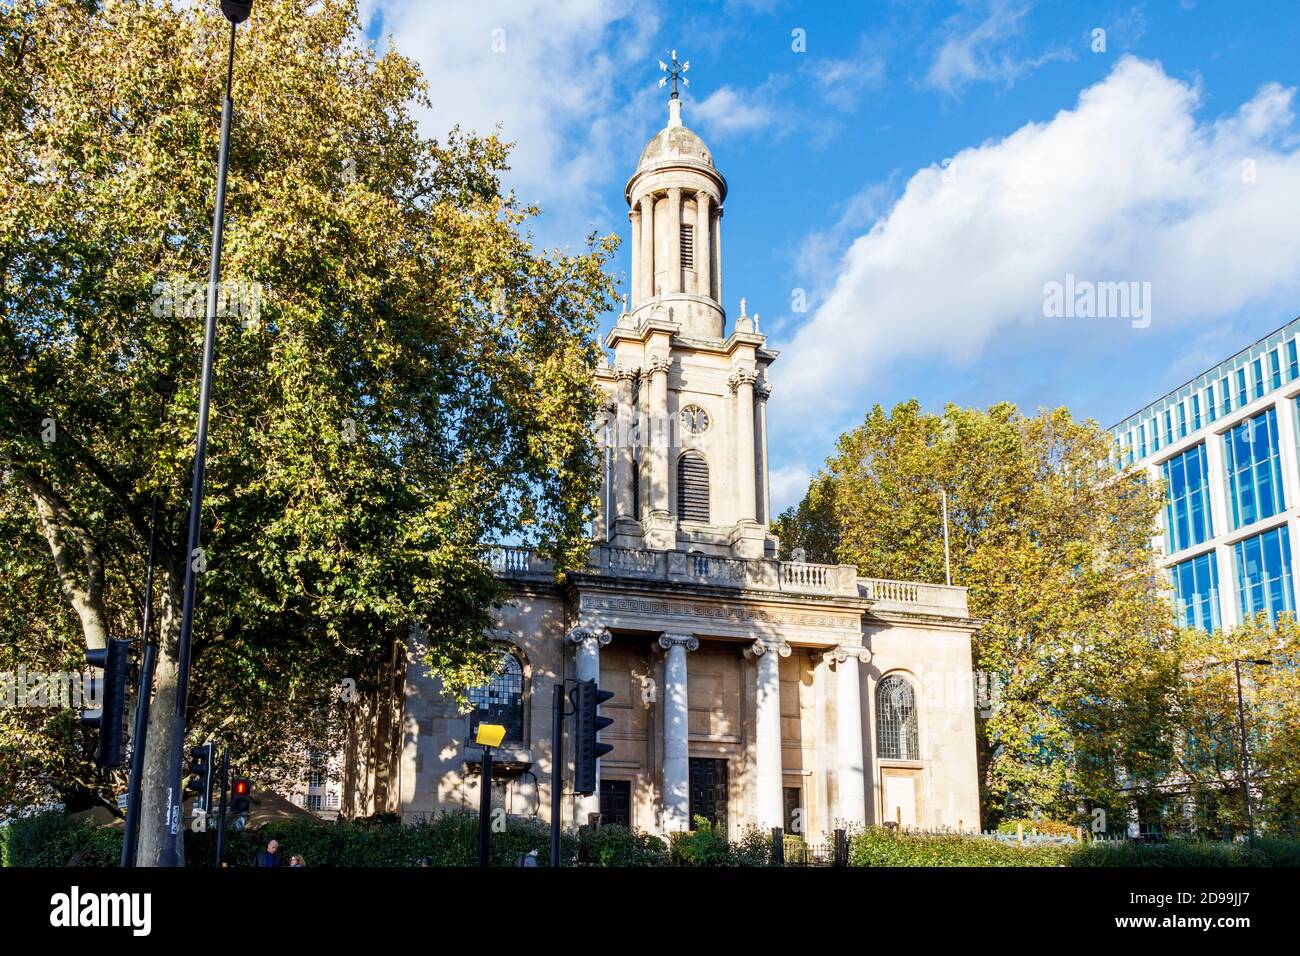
{"type": "Point", "coordinates": [748, 689]}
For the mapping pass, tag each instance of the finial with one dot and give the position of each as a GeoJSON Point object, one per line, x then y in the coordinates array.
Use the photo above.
{"type": "Point", "coordinates": [742, 307]}
{"type": "Point", "coordinates": [755, 321]}
{"type": "Point", "coordinates": [674, 73]}
{"type": "Point", "coordinates": [624, 301]}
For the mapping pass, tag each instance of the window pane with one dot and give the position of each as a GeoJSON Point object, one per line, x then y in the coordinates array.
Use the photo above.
{"type": "Point", "coordinates": [1254, 469]}
{"type": "Point", "coordinates": [1196, 592]}
{"type": "Point", "coordinates": [1187, 506]}
{"type": "Point", "coordinates": [1263, 566]}
{"type": "Point", "coordinates": [896, 736]}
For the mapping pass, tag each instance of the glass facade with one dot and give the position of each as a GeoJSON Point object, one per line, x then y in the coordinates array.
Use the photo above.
{"type": "Point", "coordinates": [1187, 500]}
{"type": "Point", "coordinates": [1250, 455]}
{"type": "Point", "coordinates": [1263, 567]}
{"type": "Point", "coordinates": [1196, 592]}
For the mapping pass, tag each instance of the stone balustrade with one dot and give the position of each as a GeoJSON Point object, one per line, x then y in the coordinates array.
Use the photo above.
{"type": "Point", "coordinates": [793, 577]}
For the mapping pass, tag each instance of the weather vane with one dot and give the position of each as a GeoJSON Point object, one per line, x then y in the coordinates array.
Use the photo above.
{"type": "Point", "coordinates": [674, 73]}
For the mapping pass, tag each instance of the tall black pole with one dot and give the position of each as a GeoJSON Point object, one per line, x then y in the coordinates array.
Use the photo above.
{"type": "Point", "coordinates": [221, 814]}
{"type": "Point", "coordinates": [140, 731]}
{"type": "Point", "coordinates": [1245, 755]}
{"type": "Point", "coordinates": [485, 808]}
{"type": "Point", "coordinates": [557, 769]}
{"type": "Point", "coordinates": [172, 844]}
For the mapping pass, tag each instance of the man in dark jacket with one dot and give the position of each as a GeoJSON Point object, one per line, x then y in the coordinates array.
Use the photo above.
{"type": "Point", "coordinates": [268, 857]}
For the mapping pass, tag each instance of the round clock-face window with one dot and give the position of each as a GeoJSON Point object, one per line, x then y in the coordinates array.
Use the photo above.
{"type": "Point", "coordinates": [695, 420]}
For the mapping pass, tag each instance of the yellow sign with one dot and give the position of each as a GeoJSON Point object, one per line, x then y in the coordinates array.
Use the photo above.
{"type": "Point", "coordinates": [490, 735]}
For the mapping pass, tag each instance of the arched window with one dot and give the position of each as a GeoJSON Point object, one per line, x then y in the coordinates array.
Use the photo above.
{"type": "Point", "coordinates": [693, 487]}
{"type": "Point", "coordinates": [896, 737]}
{"type": "Point", "coordinates": [501, 699]}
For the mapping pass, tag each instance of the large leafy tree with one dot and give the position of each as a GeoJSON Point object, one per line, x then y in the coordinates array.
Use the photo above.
{"type": "Point", "coordinates": [1207, 724]}
{"type": "Point", "coordinates": [1056, 550]}
{"type": "Point", "coordinates": [415, 381]}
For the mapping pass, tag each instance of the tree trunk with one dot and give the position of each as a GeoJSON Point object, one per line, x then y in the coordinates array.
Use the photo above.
{"type": "Point", "coordinates": [162, 749]}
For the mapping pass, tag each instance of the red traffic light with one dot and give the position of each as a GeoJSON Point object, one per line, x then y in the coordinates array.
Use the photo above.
{"type": "Point", "coordinates": [240, 788]}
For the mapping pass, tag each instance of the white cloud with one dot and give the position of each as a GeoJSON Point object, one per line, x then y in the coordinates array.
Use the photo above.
{"type": "Point", "coordinates": [1127, 185]}
{"type": "Point", "coordinates": [977, 49]}
{"type": "Point", "coordinates": [547, 73]}
{"type": "Point", "coordinates": [787, 486]}
{"type": "Point", "coordinates": [727, 111]}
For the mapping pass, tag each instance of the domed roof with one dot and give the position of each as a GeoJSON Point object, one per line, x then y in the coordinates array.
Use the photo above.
{"type": "Point", "coordinates": [675, 141]}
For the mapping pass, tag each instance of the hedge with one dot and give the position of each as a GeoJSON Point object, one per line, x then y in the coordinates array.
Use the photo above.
{"type": "Point", "coordinates": [53, 839]}
{"type": "Point", "coordinates": [884, 847]}
{"type": "Point", "coordinates": [878, 846]}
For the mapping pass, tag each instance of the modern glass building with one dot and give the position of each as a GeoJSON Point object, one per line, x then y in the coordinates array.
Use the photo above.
{"type": "Point", "coordinates": [1225, 446]}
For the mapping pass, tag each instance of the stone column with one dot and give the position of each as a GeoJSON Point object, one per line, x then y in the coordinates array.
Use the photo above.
{"type": "Point", "coordinates": [626, 378]}
{"type": "Point", "coordinates": [587, 642]}
{"type": "Point", "coordinates": [761, 392]}
{"type": "Point", "coordinates": [659, 433]}
{"type": "Point", "coordinates": [704, 242]}
{"type": "Point", "coordinates": [647, 247]}
{"type": "Point", "coordinates": [742, 386]}
{"type": "Point", "coordinates": [674, 238]}
{"type": "Point", "coordinates": [676, 792]}
{"type": "Point", "coordinates": [605, 435]}
{"type": "Point", "coordinates": [717, 258]}
{"type": "Point", "coordinates": [638, 280]}
{"type": "Point", "coordinates": [767, 727]}
{"type": "Point", "coordinates": [850, 805]}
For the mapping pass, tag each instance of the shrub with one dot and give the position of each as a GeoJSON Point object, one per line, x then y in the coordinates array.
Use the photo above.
{"type": "Point", "coordinates": [1191, 853]}
{"type": "Point", "coordinates": [54, 839]}
{"type": "Point", "coordinates": [1044, 827]}
{"type": "Point", "coordinates": [878, 846]}
{"type": "Point", "coordinates": [706, 845]}
{"type": "Point", "coordinates": [615, 845]}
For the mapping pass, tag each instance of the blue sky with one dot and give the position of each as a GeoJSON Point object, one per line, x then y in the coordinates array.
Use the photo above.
{"type": "Point", "coordinates": [920, 170]}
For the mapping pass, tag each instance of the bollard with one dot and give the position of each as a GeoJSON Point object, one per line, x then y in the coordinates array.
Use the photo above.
{"type": "Point", "coordinates": [778, 846]}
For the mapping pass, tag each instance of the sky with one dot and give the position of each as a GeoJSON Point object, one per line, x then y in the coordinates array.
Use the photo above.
{"type": "Point", "coordinates": [908, 179]}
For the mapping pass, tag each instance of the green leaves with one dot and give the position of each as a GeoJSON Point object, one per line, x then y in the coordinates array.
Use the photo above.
{"type": "Point", "coordinates": [418, 380]}
{"type": "Point", "coordinates": [1056, 553]}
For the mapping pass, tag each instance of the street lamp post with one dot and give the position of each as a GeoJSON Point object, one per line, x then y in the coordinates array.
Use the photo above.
{"type": "Point", "coordinates": [236, 11]}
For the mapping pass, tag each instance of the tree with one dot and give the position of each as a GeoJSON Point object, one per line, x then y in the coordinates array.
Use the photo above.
{"type": "Point", "coordinates": [400, 375]}
{"type": "Point", "coordinates": [1055, 549]}
{"type": "Point", "coordinates": [1207, 723]}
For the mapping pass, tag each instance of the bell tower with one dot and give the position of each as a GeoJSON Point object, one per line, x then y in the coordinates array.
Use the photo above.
{"type": "Point", "coordinates": [685, 424]}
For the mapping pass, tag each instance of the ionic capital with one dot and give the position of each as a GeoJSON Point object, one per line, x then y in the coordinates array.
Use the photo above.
{"type": "Point", "coordinates": [840, 654]}
{"type": "Point", "coordinates": [759, 648]}
{"type": "Point", "coordinates": [582, 633]}
{"type": "Point", "coordinates": [688, 641]}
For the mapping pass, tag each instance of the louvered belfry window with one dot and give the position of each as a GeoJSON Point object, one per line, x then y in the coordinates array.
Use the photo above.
{"type": "Point", "coordinates": [688, 247]}
{"type": "Point", "coordinates": [693, 487]}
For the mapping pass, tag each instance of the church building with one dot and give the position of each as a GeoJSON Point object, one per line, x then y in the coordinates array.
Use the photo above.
{"type": "Point", "coordinates": [748, 690]}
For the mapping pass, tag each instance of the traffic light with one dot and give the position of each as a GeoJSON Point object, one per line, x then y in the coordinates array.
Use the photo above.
{"type": "Point", "coordinates": [241, 796]}
{"type": "Point", "coordinates": [115, 661]}
{"type": "Point", "coordinates": [590, 724]}
{"type": "Point", "coordinates": [200, 774]}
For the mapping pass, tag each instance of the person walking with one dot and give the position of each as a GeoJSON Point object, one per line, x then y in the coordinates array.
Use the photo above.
{"type": "Point", "coordinates": [268, 857]}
